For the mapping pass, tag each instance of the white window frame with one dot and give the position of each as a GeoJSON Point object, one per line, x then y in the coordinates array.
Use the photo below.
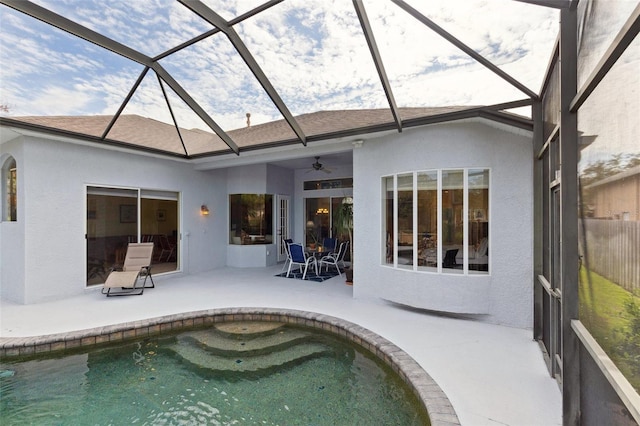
{"type": "Point", "coordinates": [465, 214]}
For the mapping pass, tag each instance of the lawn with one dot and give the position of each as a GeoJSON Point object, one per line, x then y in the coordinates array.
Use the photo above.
{"type": "Point", "coordinates": [603, 310]}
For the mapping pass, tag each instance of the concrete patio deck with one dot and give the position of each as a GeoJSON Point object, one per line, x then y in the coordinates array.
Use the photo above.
{"type": "Point", "coordinates": [492, 375]}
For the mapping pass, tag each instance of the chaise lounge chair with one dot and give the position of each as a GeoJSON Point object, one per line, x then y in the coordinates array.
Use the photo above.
{"type": "Point", "coordinates": [137, 264]}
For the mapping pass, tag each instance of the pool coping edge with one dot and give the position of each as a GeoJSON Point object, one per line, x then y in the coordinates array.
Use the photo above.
{"type": "Point", "coordinates": [435, 401]}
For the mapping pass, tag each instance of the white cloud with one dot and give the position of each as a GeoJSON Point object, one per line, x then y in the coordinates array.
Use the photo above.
{"type": "Point", "coordinates": [313, 52]}
{"type": "Point", "coordinates": [62, 101]}
{"type": "Point", "coordinates": [151, 26]}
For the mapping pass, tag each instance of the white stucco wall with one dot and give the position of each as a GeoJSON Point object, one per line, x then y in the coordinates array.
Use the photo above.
{"type": "Point", "coordinates": [43, 254]}
{"type": "Point", "coordinates": [55, 175]}
{"type": "Point", "coordinates": [504, 296]}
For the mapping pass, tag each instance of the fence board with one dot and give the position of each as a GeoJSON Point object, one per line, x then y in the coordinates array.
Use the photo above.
{"type": "Point", "coordinates": [613, 248]}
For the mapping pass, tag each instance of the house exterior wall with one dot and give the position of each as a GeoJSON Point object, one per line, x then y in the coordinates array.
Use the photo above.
{"type": "Point", "coordinates": [47, 247]}
{"type": "Point", "coordinates": [619, 199]}
{"type": "Point", "coordinates": [502, 297]}
{"type": "Point", "coordinates": [53, 181]}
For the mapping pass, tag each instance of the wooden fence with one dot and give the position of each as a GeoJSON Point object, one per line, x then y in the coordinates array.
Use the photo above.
{"type": "Point", "coordinates": [613, 250]}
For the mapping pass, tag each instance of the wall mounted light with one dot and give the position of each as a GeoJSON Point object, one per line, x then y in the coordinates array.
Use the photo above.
{"type": "Point", "coordinates": [204, 210]}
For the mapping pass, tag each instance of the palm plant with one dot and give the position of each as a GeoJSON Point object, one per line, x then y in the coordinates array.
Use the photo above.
{"type": "Point", "coordinates": [344, 222]}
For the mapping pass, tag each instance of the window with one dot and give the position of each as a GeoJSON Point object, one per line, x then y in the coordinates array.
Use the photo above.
{"type": "Point", "coordinates": [314, 185]}
{"type": "Point", "coordinates": [452, 219]}
{"type": "Point", "coordinates": [388, 230]}
{"type": "Point", "coordinates": [250, 219]}
{"type": "Point", "coordinates": [405, 221]}
{"type": "Point", "coordinates": [478, 222]}
{"type": "Point", "coordinates": [437, 221]}
{"type": "Point", "coordinates": [10, 190]}
{"type": "Point", "coordinates": [427, 210]}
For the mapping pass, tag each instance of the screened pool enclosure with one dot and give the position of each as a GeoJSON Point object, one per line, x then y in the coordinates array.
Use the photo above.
{"type": "Point", "coordinates": [215, 84]}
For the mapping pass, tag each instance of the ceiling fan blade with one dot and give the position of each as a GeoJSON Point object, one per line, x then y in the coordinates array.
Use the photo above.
{"type": "Point", "coordinates": [325, 170]}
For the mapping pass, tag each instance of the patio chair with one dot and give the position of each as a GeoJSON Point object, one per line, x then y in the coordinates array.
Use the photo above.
{"type": "Point", "coordinates": [166, 248]}
{"type": "Point", "coordinates": [449, 260]}
{"type": "Point", "coordinates": [329, 245]}
{"type": "Point", "coordinates": [285, 243]}
{"type": "Point", "coordinates": [334, 259]}
{"type": "Point", "coordinates": [300, 259]}
{"type": "Point", "coordinates": [137, 264]}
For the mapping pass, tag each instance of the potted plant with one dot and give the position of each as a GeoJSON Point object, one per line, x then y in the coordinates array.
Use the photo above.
{"type": "Point", "coordinates": [344, 223]}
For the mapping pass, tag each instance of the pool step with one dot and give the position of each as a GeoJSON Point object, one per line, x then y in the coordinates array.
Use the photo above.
{"type": "Point", "coordinates": [249, 347]}
{"type": "Point", "coordinates": [243, 363]}
{"type": "Point", "coordinates": [223, 343]}
{"type": "Point", "coordinates": [249, 328]}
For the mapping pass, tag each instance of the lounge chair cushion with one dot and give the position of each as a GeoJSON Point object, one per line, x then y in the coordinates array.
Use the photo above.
{"type": "Point", "coordinates": [121, 279]}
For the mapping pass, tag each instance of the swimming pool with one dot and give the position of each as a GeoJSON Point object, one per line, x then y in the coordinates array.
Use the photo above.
{"type": "Point", "coordinates": [297, 389]}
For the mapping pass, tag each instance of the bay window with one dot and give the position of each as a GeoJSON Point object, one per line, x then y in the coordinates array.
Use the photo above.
{"type": "Point", "coordinates": [437, 221]}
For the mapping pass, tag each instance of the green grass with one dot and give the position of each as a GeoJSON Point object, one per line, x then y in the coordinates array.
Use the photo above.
{"type": "Point", "coordinates": [602, 311]}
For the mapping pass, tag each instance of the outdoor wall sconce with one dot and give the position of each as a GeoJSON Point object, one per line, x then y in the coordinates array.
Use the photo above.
{"type": "Point", "coordinates": [204, 210]}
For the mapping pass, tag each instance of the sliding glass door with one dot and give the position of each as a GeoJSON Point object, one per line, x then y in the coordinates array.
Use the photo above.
{"type": "Point", "coordinates": [317, 220]}
{"type": "Point", "coordinates": [321, 221]}
{"type": "Point", "coordinates": [119, 216]}
{"type": "Point", "coordinates": [159, 221]}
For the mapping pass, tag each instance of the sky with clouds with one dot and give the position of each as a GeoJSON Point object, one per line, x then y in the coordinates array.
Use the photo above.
{"type": "Point", "coordinates": [313, 52]}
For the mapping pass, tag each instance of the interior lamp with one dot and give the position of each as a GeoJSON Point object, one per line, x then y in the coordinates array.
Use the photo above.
{"type": "Point", "coordinates": [204, 210]}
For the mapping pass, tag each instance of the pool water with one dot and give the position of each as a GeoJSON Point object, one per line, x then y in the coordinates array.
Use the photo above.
{"type": "Point", "coordinates": [233, 374]}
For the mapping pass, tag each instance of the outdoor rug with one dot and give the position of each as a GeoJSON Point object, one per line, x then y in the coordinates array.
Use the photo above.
{"type": "Point", "coordinates": [311, 275]}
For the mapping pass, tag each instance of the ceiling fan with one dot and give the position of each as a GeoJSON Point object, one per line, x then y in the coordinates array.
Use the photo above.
{"type": "Point", "coordinates": [318, 167]}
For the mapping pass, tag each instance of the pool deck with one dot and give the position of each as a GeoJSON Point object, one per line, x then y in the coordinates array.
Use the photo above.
{"type": "Point", "coordinates": [492, 375]}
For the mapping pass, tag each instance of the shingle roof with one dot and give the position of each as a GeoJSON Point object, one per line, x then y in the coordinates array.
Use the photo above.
{"type": "Point", "coordinates": [147, 133]}
{"type": "Point", "coordinates": [631, 172]}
